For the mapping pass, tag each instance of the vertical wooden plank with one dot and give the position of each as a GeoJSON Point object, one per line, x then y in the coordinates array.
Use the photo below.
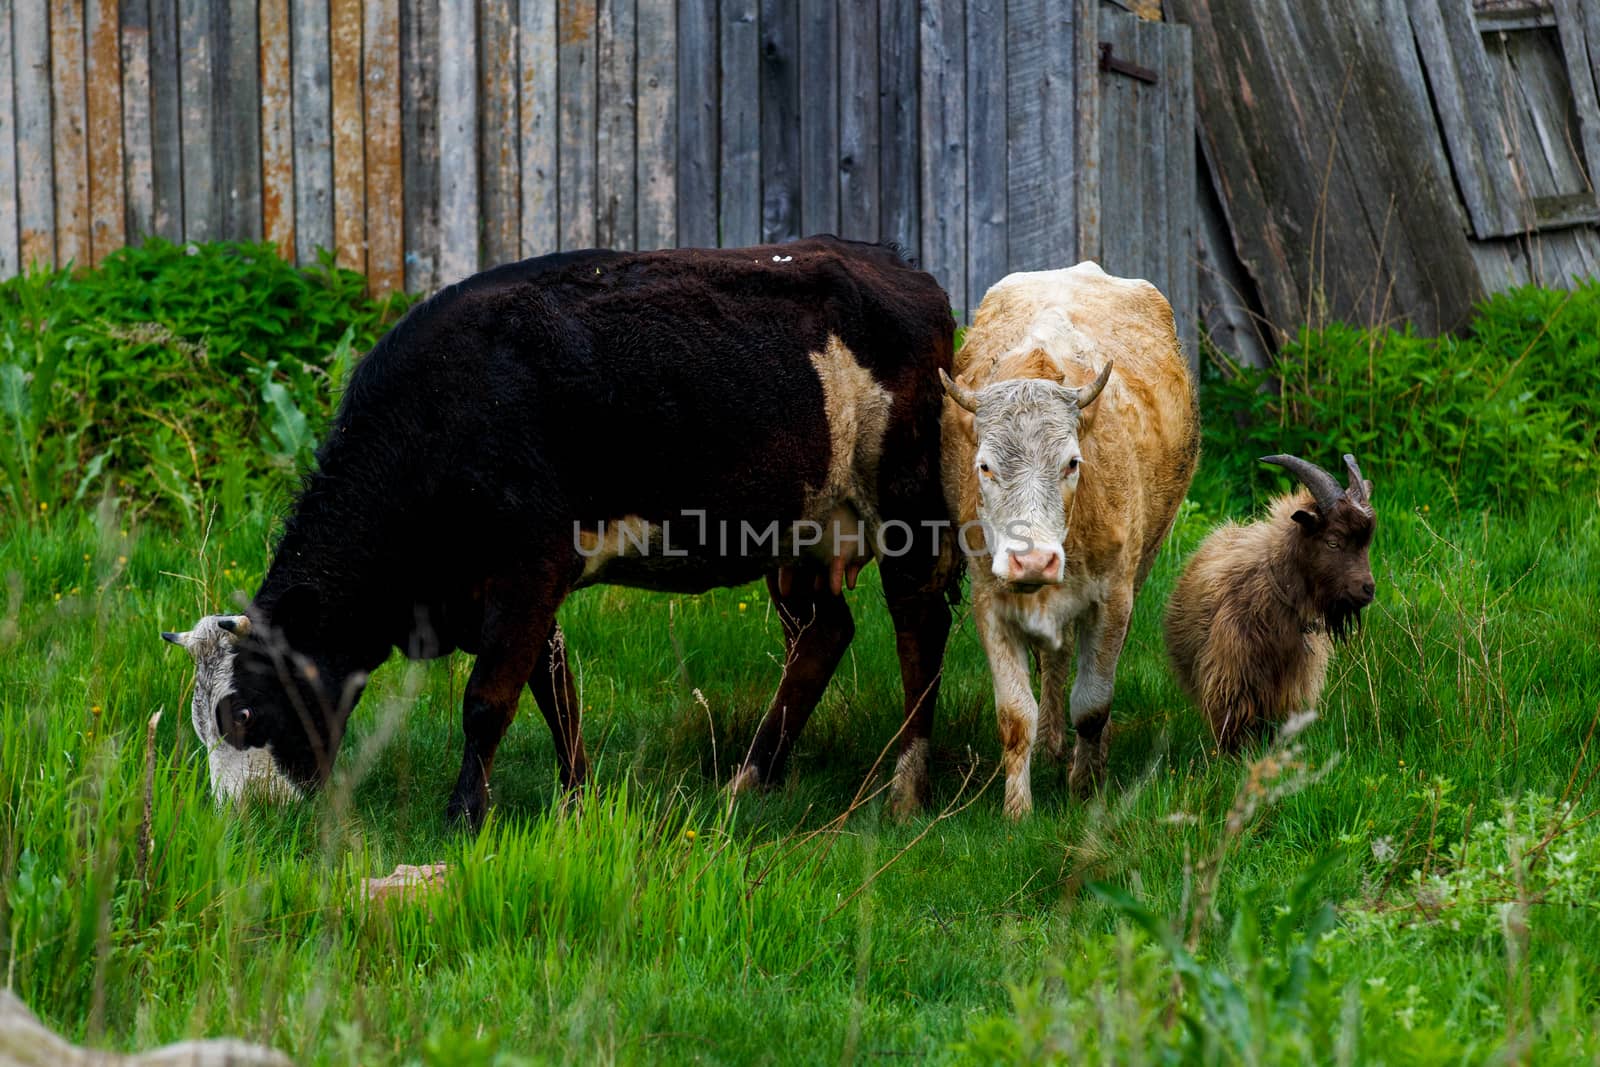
{"type": "Point", "coordinates": [577, 87]}
{"type": "Point", "coordinates": [858, 120]}
{"type": "Point", "coordinates": [1083, 87]}
{"type": "Point", "coordinates": [899, 114]}
{"type": "Point", "coordinates": [419, 140]}
{"type": "Point", "coordinates": [499, 174]}
{"type": "Point", "coordinates": [166, 122]}
{"type": "Point", "coordinates": [201, 221]}
{"type": "Point", "coordinates": [69, 114]}
{"type": "Point", "coordinates": [987, 88]}
{"type": "Point", "coordinates": [458, 141]}
{"type": "Point", "coordinates": [138, 183]}
{"type": "Point", "coordinates": [819, 118]}
{"type": "Point", "coordinates": [1183, 201]}
{"type": "Point", "coordinates": [1121, 202]}
{"type": "Point", "coordinates": [277, 129]}
{"type": "Point", "coordinates": [380, 67]}
{"type": "Point", "coordinates": [1040, 132]}
{"type": "Point", "coordinates": [616, 220]}
{"type": "Point", "coordinates": [36, 198]}
{"type": "Point", "coordinates": [739, 177]}
{"type": "Point", "coordinates": [499, 132]}
{"type": "Point", "coordinates": [349, 156]}
{"type": "Point", "coordinates": [657, 83]}
{"type": "Point", "coordinates": [699, 120]}
{"type": "Point", "coordinates": [313, 129]}
{"type": "Point", "coordinates": [107, 205]}
{"type": "Point", "coordinates": [236, 107]}
{"type": "Point", "coordinates": [1153, 262]}
{"type": "Point", "coordinates": [538, 117]}
{"type": "Point", "coordinates": [944, 158]}
{"type": "Point", "coordinates": [10, 254]}
{"type": "Point", "coordinates": [781, 109]}
{"type": "Point", "coordinates": [1577, 51]}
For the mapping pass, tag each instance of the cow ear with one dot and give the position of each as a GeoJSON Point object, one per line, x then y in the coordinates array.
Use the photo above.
{"type": "Point", "coordinates": [1309, 521]}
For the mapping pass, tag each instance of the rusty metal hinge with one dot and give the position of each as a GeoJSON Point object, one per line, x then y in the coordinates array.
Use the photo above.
{"type": "Point", "coordinates": [1109, 62]}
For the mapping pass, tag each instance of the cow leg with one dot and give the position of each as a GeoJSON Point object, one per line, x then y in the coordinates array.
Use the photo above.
{"type": "Point", "coordinates": [1054, 666]}
{"type": "Point", "coordinates": [1101, 632]}
{"type": "Point", "coordinates": [1014, 705]}
{"type": "Point", "coordinates": [817, 629]}
{"type": "Point", "coordinates": [518, 623]}
{"type": "Point", "coordinates": [553, 690]}
{"type": "Point", "coordinates": [921, 629]}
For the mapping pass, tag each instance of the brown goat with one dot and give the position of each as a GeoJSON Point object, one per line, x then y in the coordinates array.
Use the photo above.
{"type": "Point", "coordinates": [1254, 618]}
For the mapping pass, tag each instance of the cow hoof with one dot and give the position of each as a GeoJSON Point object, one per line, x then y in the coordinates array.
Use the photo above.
{"type": "Point", "coordinates": [1019, 803]}
{"type": "Point", "coordinates": [910, 789]}
{"type": "Point", "coordinates": [467, 811]}
{"type": "Point", "coordinates": [1089, 766]}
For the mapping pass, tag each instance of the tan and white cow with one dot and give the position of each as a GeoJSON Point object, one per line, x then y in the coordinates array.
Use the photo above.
{"type": "Point", "coordinates": [1071, 432]}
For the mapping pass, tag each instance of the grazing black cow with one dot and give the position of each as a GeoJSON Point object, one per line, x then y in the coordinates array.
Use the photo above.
{"type": "Point", "coordinates": [673, 420]}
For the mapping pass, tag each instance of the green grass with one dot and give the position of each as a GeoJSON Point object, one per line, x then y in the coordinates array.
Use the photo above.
{"type": "Point", "coordinates": [609, 934]}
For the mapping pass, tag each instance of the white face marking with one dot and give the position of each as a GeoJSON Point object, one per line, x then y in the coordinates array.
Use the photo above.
{"type": "Point", "coordinates": [235, 774]}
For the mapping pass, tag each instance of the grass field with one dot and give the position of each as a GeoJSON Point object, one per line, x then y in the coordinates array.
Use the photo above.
{"type": "Point", "coordinates": [1412, 879]}
{"type": "Point", "coordinates": [650, 924]}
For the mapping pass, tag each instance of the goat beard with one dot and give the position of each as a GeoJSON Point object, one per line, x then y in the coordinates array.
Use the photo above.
{"type": "Point", "coordinates": [1343, 619]}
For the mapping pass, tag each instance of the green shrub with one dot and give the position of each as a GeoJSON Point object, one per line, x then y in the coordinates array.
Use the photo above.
{"type": "Point", "coordinates": [183, 376]}
{"type": "Point", "coordinates": [1495, 417]}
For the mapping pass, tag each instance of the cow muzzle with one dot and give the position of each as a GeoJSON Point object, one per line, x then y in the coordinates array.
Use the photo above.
{"type": "Point", "coordinates": [1034, 566]}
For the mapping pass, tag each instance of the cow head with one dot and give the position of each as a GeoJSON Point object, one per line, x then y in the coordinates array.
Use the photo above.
{"type": "Point", "coordinates": [1028, 464]}
{"type": "Point", "coordinates": [271, 717]}
{"type": "Point", "coordinates": [213, 644]}
{"type": "Point", "coordinates": [1329, 546]}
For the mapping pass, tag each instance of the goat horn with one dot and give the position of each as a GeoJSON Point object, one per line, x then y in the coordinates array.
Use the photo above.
{"type": "Point", "coordinates": [1357, 490]}
{"type": "Point", "coordinates": [1324, 487]}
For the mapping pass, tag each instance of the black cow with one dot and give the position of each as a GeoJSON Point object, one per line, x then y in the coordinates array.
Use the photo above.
{"type": "Point", "coordinates": [674, 420]}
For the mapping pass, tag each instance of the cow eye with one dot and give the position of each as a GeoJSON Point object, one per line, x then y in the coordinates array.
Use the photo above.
{"type": "Point", "coordinates": [1071, 468]}
{"type": "Point", "coordinates": [983, 469]}
{"type": "Point", "coordinates": [1333, 543]}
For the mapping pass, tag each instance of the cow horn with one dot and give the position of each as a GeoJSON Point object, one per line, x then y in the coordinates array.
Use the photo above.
{"type": "Point", "coordinates": [1324, 487]}
{"type": "Point", "coordinates": [1359, 490]}
{"type": "Point", "coordinates": [237, 625]}
{"type": "Point", "coordinates": [1085, 396]}
{"type": "Point", "coordinates": [967, 398]}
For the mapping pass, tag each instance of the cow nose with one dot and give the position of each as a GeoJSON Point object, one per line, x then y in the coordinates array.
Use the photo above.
{"type": "Point", "coordinates": [1035, 565]}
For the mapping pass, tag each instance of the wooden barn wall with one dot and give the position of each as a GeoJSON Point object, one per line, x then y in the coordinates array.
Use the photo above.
{"type": "Point", "coordinates": [424, 139]}
{"type": "Point", "coordinates": [1324, 132]}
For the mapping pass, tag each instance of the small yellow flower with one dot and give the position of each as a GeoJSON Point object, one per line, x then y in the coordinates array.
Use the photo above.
{"type": "Point", "coordinates": [1402, 763]}
{"type": "Point", "coordinates": [86, 557]}
{"type": "Point", "coordinates": [689, 835]}
{"type": "Point", "coordinates": [94, 709]}
{"type": "Point", "coordinates": [122, 560]}
{"type": "Point", "coordinates": [43, 506]}
{"type": "Point", "coordinates": [58, 597]}
{"type": "Point", "coordinates": [89, 736]}
{"type": "Point", "coordinates": [743, 605]}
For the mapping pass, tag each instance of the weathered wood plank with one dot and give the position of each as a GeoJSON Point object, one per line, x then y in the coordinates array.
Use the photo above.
{"type": "Point", "coordinates": [36, 198]}
{"type": "Point", "coordinates": [69, 116]}
{"type": "Point", "coordinates": [166, 122]}
{"type": "Point", "coordinates": [10, 253]}
{"type": "Point", "coordinates": [987, 162]}
{"type": "Point", "coordinates": [858, 121]}
{"type": "Point", "coordinates": [313, 128]}
{"type": "Point", "coordinates": [819, 117]}
{"type": "Point", "coordinates": [899, 113]}
{"type": "Point", "coordinates": [538, 119]}
{"type": "Point", "coordinates": [1226, 300]}
{"type": "Point", "coordinates": [1150, 257]}
{"type": "Point", "coordinates": [499, 170]}
{"type": "Point", "coordinates": [1041, 186]}
{"type": "Point", "coordinates": [944, 161]}
{"type": "Point", "coordinates": [1084, 83]}
{"type": "Point", "coordinates": [577, 26]}
{"type": "Point", "coordinates": [137, 146]}
{"type": "Point", "coordinates": [739, 175]}
{"type": "Point", "coordinates": [419, 139]}
{"type": "Point", "coordinates": [349, 136]}
{"type": "Point", "coordinates": [1577, 50]}
{"type": "Point", "coordinates": [1121, 137]}
{"type": "Point", "coordinates": [380, 46]}
{"type": "Point", "coordinates": [1180, 182]}
{"type": "Point", "coordinates": [458, 141]}
{"type": "Point", "coordinates": [781, 108]}
{"type": "Point", "coordinates": [658, 123]}
{"type": "Point", "coordinates": [616, 222]}
{"type": "Point", "coordinates": [107, 203]}
{"type": "Point", "coordinates": [699, 123]}
{"type": "Point", "coordinates": [277, 128]}
{"type": "Point", "coordinates": [236, 110]}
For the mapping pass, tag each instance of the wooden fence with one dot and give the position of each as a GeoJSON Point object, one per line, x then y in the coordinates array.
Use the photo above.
{"type": "Point", "coordinates": [422, 139]}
